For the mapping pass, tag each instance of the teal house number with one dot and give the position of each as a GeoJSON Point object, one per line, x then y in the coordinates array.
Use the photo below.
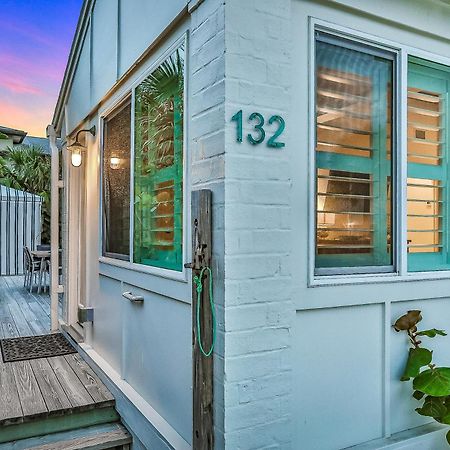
{"type": "Point", "coordinates": [258, 135]}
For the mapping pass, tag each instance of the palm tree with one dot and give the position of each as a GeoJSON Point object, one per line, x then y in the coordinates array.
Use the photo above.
{"type": "Point", "coordinates": [156, 96]}
{"type": "Point", "coordinates": [27, 168]}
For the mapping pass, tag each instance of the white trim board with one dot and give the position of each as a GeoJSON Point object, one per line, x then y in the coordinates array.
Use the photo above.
{"type": "Point", "coordinates": [426, 437]}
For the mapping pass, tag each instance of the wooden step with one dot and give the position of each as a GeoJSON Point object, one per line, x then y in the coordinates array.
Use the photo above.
{"type": "Point", "coordinates": [106, 436]}
{"type": "Point", "coordinates": [50, 395]}
{"type": "Point", "coordinates": [58, 423]}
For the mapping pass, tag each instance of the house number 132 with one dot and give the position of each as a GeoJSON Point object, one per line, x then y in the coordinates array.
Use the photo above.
{"type": "Point", "coordinates": [258, 135]}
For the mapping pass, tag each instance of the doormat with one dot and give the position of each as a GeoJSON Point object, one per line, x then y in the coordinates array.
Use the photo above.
{"type": "Point", "coordinates": [33, 347]}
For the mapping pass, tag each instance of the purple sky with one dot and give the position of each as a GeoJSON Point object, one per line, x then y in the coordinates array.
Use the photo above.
{"type": "Point", "coordinates": [34, 45]}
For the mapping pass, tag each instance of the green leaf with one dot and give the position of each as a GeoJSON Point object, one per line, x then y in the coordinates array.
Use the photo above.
{"type": "Point", "coordinates": [417, 358]}
{"type": "Point", "coordinates": [434, 382]}
{"type": "Point", "coordinates": [432, 333]}
{"type": "Point", "coordinates": [445, 419]}
{"type": "Point", "coordinates": [418, 395]}
{"type": "Point", "coordinates": [433, 407]}
{"type": "Point", "coordinates": [448, 437]}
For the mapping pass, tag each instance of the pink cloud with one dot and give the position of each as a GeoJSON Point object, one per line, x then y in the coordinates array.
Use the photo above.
{"type": "Point", "coordinates": [52, 69]}
{"type": "Point", "coordinates": [26, 115]}
{"type": "Point", "coordinates": [18, 87]}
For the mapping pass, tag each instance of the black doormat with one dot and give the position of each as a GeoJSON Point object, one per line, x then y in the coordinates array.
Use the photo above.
{"type": "Point", "coordinates": [32, 347]}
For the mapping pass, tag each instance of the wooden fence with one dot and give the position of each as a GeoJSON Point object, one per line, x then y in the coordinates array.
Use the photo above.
{"type": "Point", "coordinates": [20, 225]}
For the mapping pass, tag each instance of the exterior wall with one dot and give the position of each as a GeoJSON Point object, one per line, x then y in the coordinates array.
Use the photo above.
{"type": "Point", "coordinates": [145, 351]}
{"type": "Point", "coordinates": [284, 348]}
{"type": "Point", "coordinates": [206, 104]}
{"type": "Point", "coordinates": [258, 303]}
{"type": "Point", "coordinates": [289, 347]}
{"type": "Point", "coordinates": [117, 34]}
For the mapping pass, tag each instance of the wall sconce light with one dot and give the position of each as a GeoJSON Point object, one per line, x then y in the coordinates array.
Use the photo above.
{"type": "Point", "coordinates": [114, 162]}
{"type": "Point", "coordinates": [77, 149]}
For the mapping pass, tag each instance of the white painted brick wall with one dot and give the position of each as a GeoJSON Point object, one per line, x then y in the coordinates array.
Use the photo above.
{"type": "Point", "coordinates": [258, 304]}
{"type": "Point", "coordinates": [240, 59]}
{"type": "Point", "coordinates": [206, 150]}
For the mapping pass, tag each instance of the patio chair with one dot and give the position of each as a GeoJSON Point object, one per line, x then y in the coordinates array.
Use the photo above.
{"type": "Point", "coordinates": [31, 267]}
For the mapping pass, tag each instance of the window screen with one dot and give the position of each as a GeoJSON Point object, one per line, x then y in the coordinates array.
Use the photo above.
{"type": "Point", "coordinates": [116, 183]}
{"type": "Point", "coordinates": [158, 166]}
{"type": "Point", "coordinates": [353, 100]}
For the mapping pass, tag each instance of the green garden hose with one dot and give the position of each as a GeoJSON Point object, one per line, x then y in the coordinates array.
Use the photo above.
{"type": "Point", "coordinates": [198, 280]}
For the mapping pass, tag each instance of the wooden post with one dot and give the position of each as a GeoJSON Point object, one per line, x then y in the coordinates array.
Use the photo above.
{"type": "Point", "coordinates": [203, 420]}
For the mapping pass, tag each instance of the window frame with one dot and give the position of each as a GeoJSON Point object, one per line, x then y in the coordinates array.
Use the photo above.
{"type": "Point", "coordinates": [359, 275]}
{"type": "Point", "coordinates": [127, 93]}
{"type": "Point", "coordinates": [116, 109]}
{"type": "Point", "coordinates": [334, 39]}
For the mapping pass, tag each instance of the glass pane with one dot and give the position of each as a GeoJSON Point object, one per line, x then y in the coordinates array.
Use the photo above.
{"type": "Point", "coordinates": [158, 173]}
{"type": "Point", "coordinates": [427, 166]}
{"type": "Point", "coordinates": [353, 163]}
{"type": "Point", "coordinates": [116, 183]}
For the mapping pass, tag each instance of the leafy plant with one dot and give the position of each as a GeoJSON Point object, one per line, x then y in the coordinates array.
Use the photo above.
{"type": "Point", "coordinates": [431, 385]}
{"type": "Point", "coordinates": [27, 168]}
{"type": "Point", "coordinates": [156, 97]}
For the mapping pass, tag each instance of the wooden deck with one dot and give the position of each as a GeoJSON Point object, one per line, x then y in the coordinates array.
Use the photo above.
{"type": "Point", "coordinates": [47, 395]}
{"type": "Point", "coordinates": [22, 313]}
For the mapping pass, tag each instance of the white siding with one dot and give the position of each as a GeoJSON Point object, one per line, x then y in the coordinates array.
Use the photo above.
{"type": "Point", "coordinates": [141, 21]}
{"type": "Point", "coordinates": [104, 48]}
{"type": "Point", "coordinates": [119, 32]}
{"type": "Point", "coordinates": [79, 101]}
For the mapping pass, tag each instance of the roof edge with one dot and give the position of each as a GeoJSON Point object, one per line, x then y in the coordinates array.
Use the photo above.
{"type": "Point", "coordinates": [72, 61]}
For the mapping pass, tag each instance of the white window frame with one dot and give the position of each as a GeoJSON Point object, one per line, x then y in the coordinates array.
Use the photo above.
{"type": "Point", "coordinates": [361, 275]}
{"type": "Point", "coordinates": [126, 93]}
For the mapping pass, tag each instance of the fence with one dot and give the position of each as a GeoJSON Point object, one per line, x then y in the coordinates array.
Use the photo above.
{"type": "Point", "coordinates": [20, 225]}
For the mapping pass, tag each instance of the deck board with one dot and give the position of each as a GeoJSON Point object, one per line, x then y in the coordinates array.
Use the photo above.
{"type": "Point", "coordinates": [10, 408]}
{"type": "Point", "coordinates": [46, 387]}
{"type": "Point", "coordinates": [74, 389]}
{"type": "Point", "coordinates": [91, 382]}
{"type": "Point", "coordinates": [30, 395]}
{"type": "Point", "coordinates": [54, 396]}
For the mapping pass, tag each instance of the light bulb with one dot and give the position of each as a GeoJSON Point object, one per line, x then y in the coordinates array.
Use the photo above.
{"type": "Point", "coordinates": [76, 157]}
{"type": "Point", "coordinates": [114, 162]}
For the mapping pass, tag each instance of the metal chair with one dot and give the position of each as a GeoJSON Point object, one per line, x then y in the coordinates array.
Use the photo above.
{"type": "Point", "coordinates": [32, 268]}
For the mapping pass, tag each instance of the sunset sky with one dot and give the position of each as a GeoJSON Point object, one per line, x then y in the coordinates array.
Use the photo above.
{"type": "Point", "coordinates": [34, 45]}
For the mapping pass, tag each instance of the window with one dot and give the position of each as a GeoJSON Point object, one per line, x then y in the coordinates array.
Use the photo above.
{"type": "Point", "coordinates": [428, 87]}
{"type": "Point", "coordinates": [353, 155]}
{"type": "Point", "coordinates": [156, 175]}
{"type": "Point", "coordinates": [356, 157]}
{"type": "Point", "coordinates": [116, 183]}
{"type": "Point", "coordinates": [158, 166]}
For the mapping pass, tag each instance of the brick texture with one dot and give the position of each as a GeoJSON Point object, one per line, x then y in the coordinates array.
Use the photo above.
{"type": "Point", "coordinates": [258, 306]}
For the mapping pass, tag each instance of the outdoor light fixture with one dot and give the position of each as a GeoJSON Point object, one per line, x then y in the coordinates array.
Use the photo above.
{"type": "Point", "coordinates": [77, 148]}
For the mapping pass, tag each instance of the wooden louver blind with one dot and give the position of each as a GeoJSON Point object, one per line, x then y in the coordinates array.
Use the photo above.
{"type": "Point", "coordinates": [424, 192]}
{"type": "Point", "coordinates": [353, 167]}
